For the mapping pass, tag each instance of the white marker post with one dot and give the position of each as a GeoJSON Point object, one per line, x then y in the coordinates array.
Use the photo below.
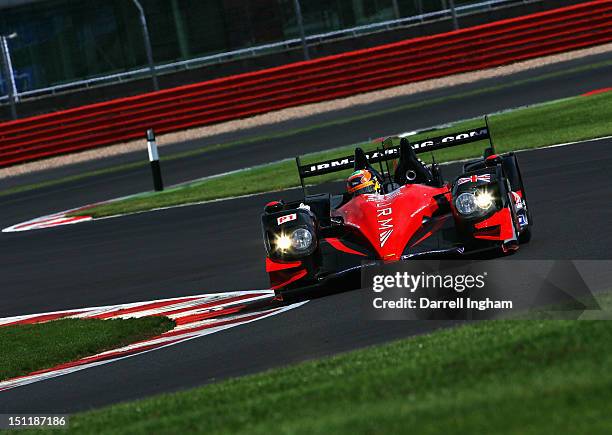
{"type": "Point", "coordinates": [154, 159]}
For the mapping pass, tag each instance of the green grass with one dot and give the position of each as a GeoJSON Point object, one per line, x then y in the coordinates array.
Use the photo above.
{"type": "Point", "coordinates": [294, 132]}
{"type": "Point", "coordinates": [562, 121]}
{"type": "Point", "coordinates": [27, 348]}
{"type": "Point", "coordinates": [503, 377]}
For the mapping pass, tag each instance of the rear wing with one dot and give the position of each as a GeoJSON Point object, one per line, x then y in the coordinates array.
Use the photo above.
{"type": "Point", "coordinates": [342, 163]}
{"type": "Point", "coordinates": [384, 154]}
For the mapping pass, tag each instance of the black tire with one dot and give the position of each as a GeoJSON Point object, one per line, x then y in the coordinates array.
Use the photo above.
{"type": "Point", "coordinates": [525, 236]}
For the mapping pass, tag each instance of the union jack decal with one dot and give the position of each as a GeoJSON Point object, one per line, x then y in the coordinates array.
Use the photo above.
{"type": "Point", "coordinates": [475, 178]}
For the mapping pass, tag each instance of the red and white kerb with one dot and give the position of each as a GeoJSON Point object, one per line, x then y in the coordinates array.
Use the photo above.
{"type": "Point", "coordinates": [195, 316]}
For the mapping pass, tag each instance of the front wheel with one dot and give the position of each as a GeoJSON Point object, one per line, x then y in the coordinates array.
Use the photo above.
{"type": "Point", "coordinates": [525, 236]}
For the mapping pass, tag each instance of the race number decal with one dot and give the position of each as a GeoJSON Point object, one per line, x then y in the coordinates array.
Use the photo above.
{"type": "Point", "coordinates": [287, 218]}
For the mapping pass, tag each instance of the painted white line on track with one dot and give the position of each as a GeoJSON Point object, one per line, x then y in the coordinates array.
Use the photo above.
{"type": "Point", "coordinates": [195, 316]}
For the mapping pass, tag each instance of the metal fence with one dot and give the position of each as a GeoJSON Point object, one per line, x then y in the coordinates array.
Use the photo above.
{"type": "Point", "coordinates": [317, 25]}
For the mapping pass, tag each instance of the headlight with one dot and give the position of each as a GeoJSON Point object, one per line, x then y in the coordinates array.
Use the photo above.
{"type": "Point", "coordinates": [484, 200]}
{"type": "Point", "coordinates": [466, 203]}
{"type": "Point", "coordinates": [301, 239]}
{"type": "Point", "coordinates": [283, 243]}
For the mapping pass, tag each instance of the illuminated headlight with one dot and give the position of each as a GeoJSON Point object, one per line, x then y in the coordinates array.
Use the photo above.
{"type": "Point", "coordinates": [484, 200]}
{"type": "Point", "coordinates": [283, 242]}
{"type": "Point", "coordinates": [466, 203]}
{"type": "Point", "coordinates": [301, 239]}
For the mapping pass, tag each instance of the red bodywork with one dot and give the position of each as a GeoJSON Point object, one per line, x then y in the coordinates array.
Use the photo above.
{"type": "Point", "coordinates": [284, 273]}
{"type": "Point", "coordinates": [497, 227]}
{"type": "Point", "coordinates": [390, 221]}
{"type": "Point", "coordinates": [393, 224]}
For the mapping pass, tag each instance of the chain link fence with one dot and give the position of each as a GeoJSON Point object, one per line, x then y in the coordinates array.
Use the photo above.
{"type": "Point", "coordinates": [63, 43]}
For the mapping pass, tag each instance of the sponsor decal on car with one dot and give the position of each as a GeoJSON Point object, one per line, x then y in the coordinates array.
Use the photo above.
{"type": "Point", "coordinates": [474, 179]}
{"type": "Point", "coordinates": [347, 162]}
{"type": "Point", "coordinates": [385, 222]}
{"type": "Point", "coordinates": [287, 218]}
{"type": "Point", "coordinates": [455, 139]}
{"type": "Point", "coordinates": [393, 152]}
{"type": "Point", "coordinates": [384, 213]}
{"type": "Point", "coordinates": [518, 201]}
{"type": "Point", "coordinates": [341, 163]}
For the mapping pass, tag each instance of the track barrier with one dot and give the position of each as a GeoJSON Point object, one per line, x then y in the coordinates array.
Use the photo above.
{"type": "Point", "coordinates": [243, 95]}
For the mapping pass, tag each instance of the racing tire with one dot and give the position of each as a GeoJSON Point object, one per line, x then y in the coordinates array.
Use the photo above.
{"type": "Point", "coordinates": [525, 236]}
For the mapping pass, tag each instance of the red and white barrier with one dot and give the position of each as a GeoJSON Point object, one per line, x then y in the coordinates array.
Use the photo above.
{"type": "Point", "coordinates": [486, 46]}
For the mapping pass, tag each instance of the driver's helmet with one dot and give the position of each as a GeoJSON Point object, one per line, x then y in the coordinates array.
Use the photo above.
{"type": "Point", "coordinates": [362, 181]}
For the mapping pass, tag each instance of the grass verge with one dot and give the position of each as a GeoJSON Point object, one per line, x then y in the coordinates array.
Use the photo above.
{"type": "Point", "coordinates": [527, 377]}
{"type": "Point", "coordinates": [27, 348]}
{"type": "Point", "coordinates": [566, 120]}
{"type": "Point", "coordinates": [294, 132]}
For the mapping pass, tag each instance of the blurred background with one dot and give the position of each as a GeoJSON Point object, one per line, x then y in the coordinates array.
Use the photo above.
{"type": "Point", "coordinates": [61, 45]}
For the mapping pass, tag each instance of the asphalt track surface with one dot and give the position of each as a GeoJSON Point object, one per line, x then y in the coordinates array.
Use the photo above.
{"type": "Point", "coordinates": [216, 247]}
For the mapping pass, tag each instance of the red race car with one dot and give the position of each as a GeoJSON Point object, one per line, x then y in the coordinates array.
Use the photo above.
{"type": "Point", "coordinates": [395, 213]}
